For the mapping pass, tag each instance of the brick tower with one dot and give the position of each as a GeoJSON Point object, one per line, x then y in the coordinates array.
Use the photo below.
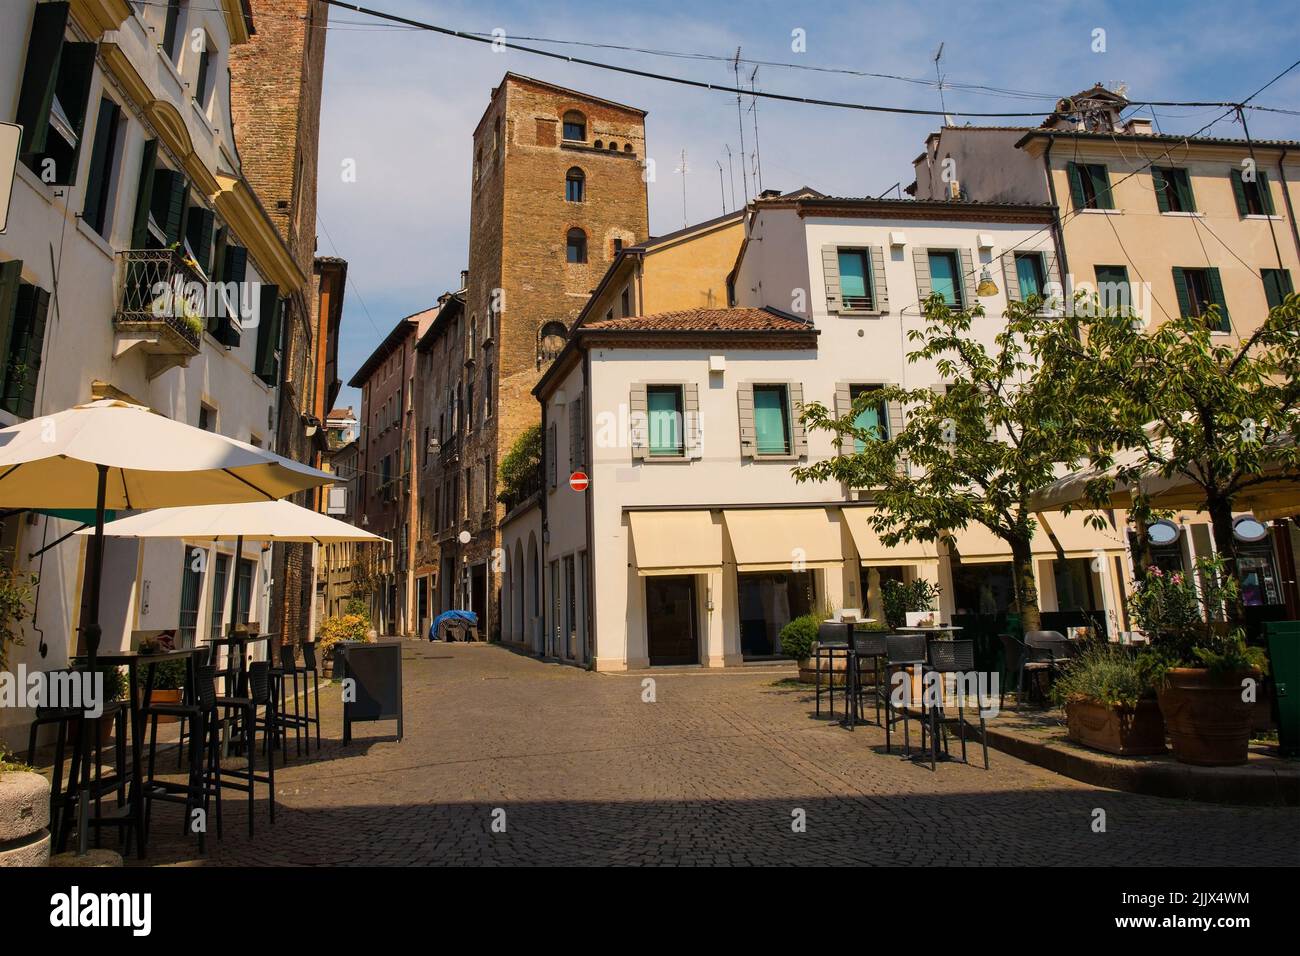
{"type": "Point", "coordinates": [558, 189]}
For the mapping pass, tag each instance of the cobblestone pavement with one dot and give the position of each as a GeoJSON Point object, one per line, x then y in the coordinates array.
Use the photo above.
{"type": "Point", "coordinates": [711, 773]}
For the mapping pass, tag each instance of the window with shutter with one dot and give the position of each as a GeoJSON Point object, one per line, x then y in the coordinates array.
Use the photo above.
{"type": "Point", "coordinates": [871, 417]}
{"type": "Point", "coordinates": [664, 411]}
{"type": "Point", "coordinates": [771, 416]}
{"type": "Point", "coordinates": [693, 424]}
{"type": "Point", "coordinates": [1090, 186]}
{"type": "Point", "coordinates": [10, 282]}
{"type": "Point", "coordinates": [1113, 290]}
{"type": "Point", "coordinates": [23, 356]}
{"type": "Point", "coordinates": [103, 163]}
{"type": "Point", "coordinates": [1198, 289]}
{"type": "Point", "coordinates": [1173, 189]}
{"type": "Point", "coordinates": [1253, 196]}
{"type": "Point", "coordinates": [1277, 286]}
{"type": "Point", "coordinates": [638, 419]}
{"type": "Point", "coordinates": [199, 223]}
{"type": "Point", "coordinates": [144, 196]}
{"type": "Point", "coordinates": [270, 310]}
{"type": "Point", "coordinates": [167, 207]}
{"type": "Point", "coordinates": [745, 418]}
{"type": "Point", "coordinates": [54, 96]}
{"type": "Point", "coordinates": [234, 272]}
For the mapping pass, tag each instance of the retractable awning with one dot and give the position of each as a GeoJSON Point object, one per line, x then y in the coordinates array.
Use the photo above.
{"type": "Point", "coordinates": [675, 542]}
{"type": "Point", "coordinates": [784, 539]}
{"type": "Point", "coordinates": [1077, 538]}
{"type": "Point", "coordinates": [976, 544]}
{"type": "Point", "coordinates": [873, 554]}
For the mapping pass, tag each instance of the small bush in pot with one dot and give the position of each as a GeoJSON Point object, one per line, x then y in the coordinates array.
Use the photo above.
{"type": "Point", "coordinates": [798, 636]}
{"type": "Point", "coordinates": [1110, 702]}
{"type": "Point", "coordinates": [1206, 677]}
{"type": "Point", "coordinates": [898, 598]}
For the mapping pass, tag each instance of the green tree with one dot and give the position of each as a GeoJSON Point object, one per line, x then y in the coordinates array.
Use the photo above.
{"type": "Point", "coordinates": [973, 453]}
{"type": "Point", "coordinates": [1220, 415]}
{"type": "Point", "coordinates": [520, 466]}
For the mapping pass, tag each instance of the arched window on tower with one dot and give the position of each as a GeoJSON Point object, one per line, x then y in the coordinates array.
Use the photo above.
{"type": "Point", "coordinates": [575, 249]}
{"type": "Point", "coordinates": [575, 182]}
{"type": "Point", "coordinates": [550, 341]}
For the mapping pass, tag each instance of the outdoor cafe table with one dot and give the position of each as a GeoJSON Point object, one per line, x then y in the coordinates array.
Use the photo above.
{"type": "Point", "coordinates": [850, 671]}
{"type": "Point", "coordinates": [139, 704]}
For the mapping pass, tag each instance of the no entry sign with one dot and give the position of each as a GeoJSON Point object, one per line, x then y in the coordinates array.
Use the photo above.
{"type": "Point", "coordinates": [578, 481]}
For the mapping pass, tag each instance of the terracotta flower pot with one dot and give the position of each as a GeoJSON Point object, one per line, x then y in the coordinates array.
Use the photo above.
{"type": "Point", "coordinates": [1207, 721]}
{"type": "Point", "coordinates": [832, 674]}
{"type": "Point", "coordinates": [1115, 728]}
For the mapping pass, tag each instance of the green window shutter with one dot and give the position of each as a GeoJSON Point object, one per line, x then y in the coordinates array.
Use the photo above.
{"type": "Point", "coordinates": [10, 282]}
{"type": "Point", "coordinates": [1076, 185]}
{"type": "Point", "coordinates": [1277, 286]}
{"type": "Point", "coordinates": [1185, 191]}
{"type": "Point", "coordinates": [1180, 289]}
{"type": "Point", "coordinates": [1161, 186]}
{"type": "Point", "coordinates": [76, 68]}
{"type": "Point", "coordinates": [23, 359]}
{"type": "Point", "coordinates": [144, 195]}
{"type": "Point", "coordinates": [1101, 186]}
{"type": "Point", "coordinates": [95, 208]}
{"type": "Point", "coordinates": [1239, 192]}
{"type": "Point", "coordinates": [879, 289]}
{"type": "Point", "coordinates": [168, 203]}
{"type": "Point", "coordinates": [268, 334]}
{"type": "Point", "coordinates": [831, 275]}
{"type": "Point", "coordinates": [1265, 193]}
{"type": "Point", "coordinates": [44, 50]}
{"type": "Point", "coordinates": [234, 269]}
{"type": "Point", "coordinates": [745, 415]}
{"type": "Point", "coordinates": [199, 223]}
{"type": "Point", "coordinates": [639, 420]}
{"type": "Point", "coordinates": [1216, 293]}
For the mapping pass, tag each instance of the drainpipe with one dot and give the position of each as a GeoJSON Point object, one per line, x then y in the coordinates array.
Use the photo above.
{"type": "Point", "coordinates": [542, 546]}
{"type": "Point", "coordinates": [1286, 196]}
{"type": "Point", "coordinates": [1058, 231]}
{"type": "Point", "coordinates": [589, 602]}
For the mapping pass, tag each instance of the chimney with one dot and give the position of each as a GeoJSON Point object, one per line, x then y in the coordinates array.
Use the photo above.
{"type": "Point", "coordinates": [464, 278]}
{"type": "Point", "coordinates": [769, 194]}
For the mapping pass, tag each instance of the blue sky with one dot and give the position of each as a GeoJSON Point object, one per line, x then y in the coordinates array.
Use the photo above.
{"type": "Point", "coordinates": [402, 104]}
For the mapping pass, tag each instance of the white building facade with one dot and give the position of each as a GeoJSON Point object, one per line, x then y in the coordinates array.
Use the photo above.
{"type": "Point", "coordinates": [129, 219]}
{"type": "Point", "coordinates": [693, 544]}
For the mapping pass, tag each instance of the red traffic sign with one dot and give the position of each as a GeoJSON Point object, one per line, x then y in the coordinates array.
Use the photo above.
{"type": "Point", "coordinates": [579, 481]}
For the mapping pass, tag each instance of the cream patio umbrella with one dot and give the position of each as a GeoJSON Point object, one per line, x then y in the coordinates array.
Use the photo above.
{"type": "Point", "coordinates": [111, 454]}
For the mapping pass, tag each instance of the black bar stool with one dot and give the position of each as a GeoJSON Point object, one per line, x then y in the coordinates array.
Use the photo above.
{"type": "Point", "coordinates": [284, 683]}
{"type": "Point", "coordinates": [196, 792]}
{"type": "Point", "coordinates": [953, 657]}
{"type": "Point", "coordinates": [311, 676]}
{"type": "Point", "coordinates": [832, 641]}
{"type": "Point", "coordinates": [903, 652]}
{"type": "Point", "coordinates": [245, 709]}
{"type": "Point", "coordinates": [872, 647]}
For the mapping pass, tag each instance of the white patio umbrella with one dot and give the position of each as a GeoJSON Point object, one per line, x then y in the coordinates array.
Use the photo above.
{"type": "Point", "coordinates": [113, 454]}
{"type": "Point", "coordinates": [255, 520]}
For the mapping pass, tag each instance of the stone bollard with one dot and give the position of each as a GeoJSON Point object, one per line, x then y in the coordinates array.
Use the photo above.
{"type": "Point", "coordinates": [24, 819]}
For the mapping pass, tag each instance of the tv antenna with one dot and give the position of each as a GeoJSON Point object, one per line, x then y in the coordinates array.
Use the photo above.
{"type": "Point", "coordinates": [758, 154]}
{"type": "Point", "coordinates": [683, 169]}
{"type": "Point", "coordinates": [740, 121]}
{"type": "Point", "coordinates": [938, 55]}
{"type": "Point", "coordinates": [731, 173]}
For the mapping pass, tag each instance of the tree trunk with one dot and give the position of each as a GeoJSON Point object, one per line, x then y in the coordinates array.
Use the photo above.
{"type": "Point", "coordinates": [1225, 543]}
{"type": "Point", "coordinates": [1022, 573]}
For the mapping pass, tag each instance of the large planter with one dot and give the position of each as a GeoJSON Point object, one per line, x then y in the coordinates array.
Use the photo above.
{"type": "Point", "coordinates": [1115, 728]}
{"type": "Point", "coordinates": [1207, 721]}
{"type": "Point", "coordinates": [24, 818]}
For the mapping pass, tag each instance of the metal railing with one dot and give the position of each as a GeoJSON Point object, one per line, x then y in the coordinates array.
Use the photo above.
{"type": "Point", "coordinates": [162, 286]}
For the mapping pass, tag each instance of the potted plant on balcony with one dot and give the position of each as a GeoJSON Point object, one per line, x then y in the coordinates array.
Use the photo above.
{"type": "Point", "coordinates": [1207, 679]}
{"type": "Point", "coordinates": [1110, 703]}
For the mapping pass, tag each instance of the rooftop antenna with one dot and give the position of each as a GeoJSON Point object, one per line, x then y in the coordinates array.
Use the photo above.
{"type": "Point", "coordinates": [722, 187]}
{"type": "Point", "coordinates": [938, 55]}
{"type": "Point", "coordinates": [683, 169]}
{"type": "Point", "coordinates": [740, 121]}
{"type": "Point", "coordinates": [758, 154]}
{"type": "Point", "coordinates": [731, 172]}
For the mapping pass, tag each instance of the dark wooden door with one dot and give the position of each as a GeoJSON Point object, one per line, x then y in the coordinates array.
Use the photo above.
{"type": "Point", "coordinates": [670, 620]}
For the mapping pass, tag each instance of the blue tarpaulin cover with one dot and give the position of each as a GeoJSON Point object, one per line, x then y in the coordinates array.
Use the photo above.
{"type": "Point", "coordinates": [469, 617]}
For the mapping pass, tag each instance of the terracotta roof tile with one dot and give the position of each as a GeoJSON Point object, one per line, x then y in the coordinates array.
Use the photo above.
{"type": "Point", "coordinates": [704, 320]}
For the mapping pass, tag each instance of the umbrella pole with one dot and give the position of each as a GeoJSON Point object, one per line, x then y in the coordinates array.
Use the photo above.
{"type": "Point", "coordinates": [92, 630]}
{"type": "Point", "coordinates": [230, 584]}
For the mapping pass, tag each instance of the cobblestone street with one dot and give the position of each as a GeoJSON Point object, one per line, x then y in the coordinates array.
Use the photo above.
{"type": "Point", "coordinates": [587, 773]}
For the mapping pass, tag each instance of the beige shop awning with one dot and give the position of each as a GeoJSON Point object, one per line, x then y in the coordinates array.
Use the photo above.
{"type": "Point", "coordinates": [1077, 538]}
{"type": "Point", "coordinates": [778, 539]}
{"type": "Point", "coordinates": [976, 544]}
{"type": "Point", "coordinates": [675, 542]}
{"type": "Point", "coordinates": [873, 554]}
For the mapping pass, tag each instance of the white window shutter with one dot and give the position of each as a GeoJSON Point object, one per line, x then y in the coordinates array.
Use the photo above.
{"type": "Point", "coordinates": [921, 262]}
{"type": "Point", "coordinates": [1010, 276]}
{"type": "Point", "coordinates": [968, 278]}
{"type": "Point", "coordinates": [692, 426]}
{"type": "Point", "coordinates": [831, 274]}
{"type": "Point", "coordinates": [843, 402]}
{"type": "Point", "coordinates": [797, 431]}
{"type": "Point", "coordinates": [879, 288]}
{"type": "Point", "coordinates": [745, 410]}
{"type": "Point", "coordinates": [639, 421]}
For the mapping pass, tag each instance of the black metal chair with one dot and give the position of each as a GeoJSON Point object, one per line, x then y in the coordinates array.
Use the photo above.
{"type": "Point", "coordinates": [1013, 659]}
{"type": "Point", "coordinates": [869, 647]}
{"type": "Point", "coordinates": [957, 658]}
{"type": "Point", "coordinates": [201, 715]}
{"type": "Point", "coordinates": [311, 677]}
{"type": "Point", "coordinates": [1046, 652]}
{"type": "Point", "coordinates": [832, 641]}
{"type": "Point", "coordinates": [284, 684]}
{"type": "Point", "coordinates": [903, 652]}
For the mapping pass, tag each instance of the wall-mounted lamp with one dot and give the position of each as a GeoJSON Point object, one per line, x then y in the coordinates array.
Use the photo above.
{"type": "Point", "coordinates": [987, 286]}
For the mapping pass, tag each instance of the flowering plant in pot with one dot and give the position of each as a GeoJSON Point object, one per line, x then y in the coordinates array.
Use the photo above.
{"type": "Point", "coordinates": [1110, 702]}
{"type": "Point", "coordinates": [1207, 678]}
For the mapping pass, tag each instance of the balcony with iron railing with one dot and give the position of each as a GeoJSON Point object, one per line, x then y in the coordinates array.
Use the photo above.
{"type": "Point", "coordinates": [161, 308]}
{"type": "Point", "coordinates": [528, 486]}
